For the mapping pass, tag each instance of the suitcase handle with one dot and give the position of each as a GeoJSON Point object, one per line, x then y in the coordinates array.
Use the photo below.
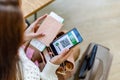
{"type": "Point", "coordinates": [88, 62]}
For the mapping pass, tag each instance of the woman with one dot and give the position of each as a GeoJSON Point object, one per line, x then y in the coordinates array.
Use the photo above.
{"type": "Point", "coordinates": [14, 65]}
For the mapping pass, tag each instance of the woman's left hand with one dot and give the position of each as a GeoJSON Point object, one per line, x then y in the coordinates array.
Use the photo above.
{"type": "Point", "coordinates": [31, 30]}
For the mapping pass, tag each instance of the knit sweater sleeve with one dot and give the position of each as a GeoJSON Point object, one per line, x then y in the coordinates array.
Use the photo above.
{"type": "Point", "coordinates": [48, 72]}
{"type": "Point", "coordinates": [32, 72]}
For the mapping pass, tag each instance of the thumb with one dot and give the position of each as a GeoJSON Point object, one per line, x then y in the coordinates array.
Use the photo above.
{"type": "Point", "coordinates": [36, 35]}
{"type": "Point", "coordinates": [65, 54]}
{"type": "Point", "coordinates": [40, 19]}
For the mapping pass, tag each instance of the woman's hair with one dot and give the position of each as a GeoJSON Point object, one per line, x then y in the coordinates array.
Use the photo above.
{"type": "Point", "coordinates": [11, 38]}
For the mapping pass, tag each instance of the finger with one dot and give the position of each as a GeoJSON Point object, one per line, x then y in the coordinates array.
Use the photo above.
{"type": "Point", "coordinates": [62, 54]}
{"type": "Point", "coordinates": [50, 53]}
{"type": "Point", "coordinates": [40, 19]}
{"type": "Point", "coordinates": [38, 25]}
{"type": "Point", "coordinates": [36, 28]}
{"type": "Point", "coordinates": [35, 35]}
{"type": "Point", "coordinates": [38, 35]}
{"type": "Point", "coordinates": [67, 55]}
{"type": "Point", "coordinates": [37, 22]}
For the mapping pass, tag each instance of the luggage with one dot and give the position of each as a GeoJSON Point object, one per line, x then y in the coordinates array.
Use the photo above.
{"type": "Point", "coordinates": [97, 67]}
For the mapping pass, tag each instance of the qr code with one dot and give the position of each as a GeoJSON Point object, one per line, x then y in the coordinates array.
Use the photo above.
{"type": "Point", "coordinates": [65, 43]}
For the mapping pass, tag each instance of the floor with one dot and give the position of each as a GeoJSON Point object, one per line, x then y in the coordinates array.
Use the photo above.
{"type": "Point", "coordinates": [97, 20]}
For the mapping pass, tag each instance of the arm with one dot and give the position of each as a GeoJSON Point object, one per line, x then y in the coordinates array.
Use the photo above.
{"type": "Point", "coordinates": [31, 31]}
{"type": "Point", "coordinates": [49, 72]}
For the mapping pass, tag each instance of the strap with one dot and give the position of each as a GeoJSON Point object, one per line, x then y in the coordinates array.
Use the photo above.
{"type": "Point", "coordinates": [43, 57]}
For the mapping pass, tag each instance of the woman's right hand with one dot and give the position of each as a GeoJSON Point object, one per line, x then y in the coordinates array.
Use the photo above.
{"type": "Point", "coordinates": [61, 57]}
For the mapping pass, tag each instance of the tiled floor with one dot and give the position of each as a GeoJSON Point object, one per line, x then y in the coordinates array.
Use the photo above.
{"type": "Point", "coordinates": [97, 20]}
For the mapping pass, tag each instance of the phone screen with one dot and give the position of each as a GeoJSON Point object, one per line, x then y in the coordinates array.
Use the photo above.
{"type": "Point", "coordinates": [68, 40]}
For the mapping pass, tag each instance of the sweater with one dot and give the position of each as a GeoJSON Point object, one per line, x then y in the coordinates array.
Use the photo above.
{"type": "Point", "coordinates": [31, 72]}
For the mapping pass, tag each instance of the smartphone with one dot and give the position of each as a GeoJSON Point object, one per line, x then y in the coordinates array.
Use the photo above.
{"type": "Point", "coordinates": [67, 40]}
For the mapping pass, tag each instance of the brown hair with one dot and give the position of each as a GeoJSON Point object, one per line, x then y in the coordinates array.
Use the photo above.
{"type": "Point", "coordinates": [11, 38]}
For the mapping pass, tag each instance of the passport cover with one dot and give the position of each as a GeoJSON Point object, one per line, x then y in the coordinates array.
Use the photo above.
{"type": "Point", "coordinates": [50, 27]}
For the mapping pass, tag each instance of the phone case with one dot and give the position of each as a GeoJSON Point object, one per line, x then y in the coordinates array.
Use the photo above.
{"type": "Point", "coordinates": [50, 27]}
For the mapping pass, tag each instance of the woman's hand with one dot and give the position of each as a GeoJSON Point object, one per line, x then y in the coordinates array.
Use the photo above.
{"type": "Point", "coordinates": [61, 57]}
{"type": "Point", "coordinates": [31, 30]}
